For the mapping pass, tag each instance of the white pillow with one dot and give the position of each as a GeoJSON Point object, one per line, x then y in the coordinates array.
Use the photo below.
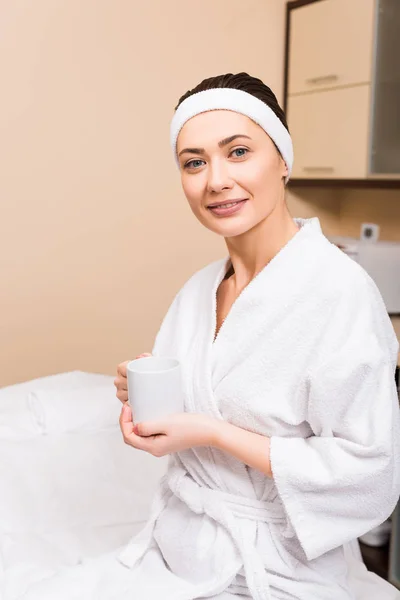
{"type": "Point", "coordinates": [70, 380]}
{"type": "Point", "coordinates": [19, 416]}
{"type": "Point", "coordinates": [88, 408]}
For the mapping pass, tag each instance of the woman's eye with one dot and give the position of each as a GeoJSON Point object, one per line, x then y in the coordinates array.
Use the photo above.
{"type": "Point", "coordinates": [194, 164]}
{"type": "Point", "coordinates": [240, 152]}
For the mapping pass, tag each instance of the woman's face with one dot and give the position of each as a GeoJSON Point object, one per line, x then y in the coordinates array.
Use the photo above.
{"type": "Point", "coordinates": [223, 156]}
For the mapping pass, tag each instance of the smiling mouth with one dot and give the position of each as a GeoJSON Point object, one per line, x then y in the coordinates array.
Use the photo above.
{"type": "Point", "coordinates": [227, 204]}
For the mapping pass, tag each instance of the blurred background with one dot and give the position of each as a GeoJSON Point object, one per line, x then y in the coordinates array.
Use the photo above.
{"type": "Point", "coordinates": [95, 233]}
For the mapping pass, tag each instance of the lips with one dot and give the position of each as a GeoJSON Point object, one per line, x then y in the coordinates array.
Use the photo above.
{"type": "Point", "coordinates": [222, 204]}
{"type": "Point", "coordinates": [227, 209]}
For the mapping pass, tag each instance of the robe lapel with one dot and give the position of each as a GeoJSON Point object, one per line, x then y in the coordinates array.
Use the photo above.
{"type": "Point", "coordinates": [200, 396]}
{"type": "Point", "coordinates": [260, 307]}
{"type": "Point", "coordinates": [263, 304]}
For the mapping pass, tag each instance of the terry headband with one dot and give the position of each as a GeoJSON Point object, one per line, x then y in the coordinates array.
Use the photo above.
{"type": "Point", "coordinates": [240, 102]}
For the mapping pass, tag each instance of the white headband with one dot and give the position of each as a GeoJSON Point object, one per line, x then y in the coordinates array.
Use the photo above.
{"type": "Point", "coordinates": [238, 101]}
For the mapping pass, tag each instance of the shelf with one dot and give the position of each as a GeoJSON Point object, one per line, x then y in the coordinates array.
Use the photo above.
{"type": "Point", "coordinates": [376, 183]}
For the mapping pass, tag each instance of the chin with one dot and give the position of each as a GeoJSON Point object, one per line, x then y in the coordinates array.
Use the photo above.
{"type": "Point", "coordinates": [230, 230]}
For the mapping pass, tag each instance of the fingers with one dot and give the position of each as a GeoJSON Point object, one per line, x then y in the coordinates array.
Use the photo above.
{"type": "Point", "coordinates": [121, 381]}
{"type": "Point", "coordinates": [121, 384]}
{"type": "Point", "coordinates": [149, 429]}
{"type": "Point", "coordinates": [122, 395]}
{"type": "Point", "coordinates": [121, 369]}
{"type": "Point", "coordinates": [125, 421]}
{"type": "Point", "coordinates": [128, 433]}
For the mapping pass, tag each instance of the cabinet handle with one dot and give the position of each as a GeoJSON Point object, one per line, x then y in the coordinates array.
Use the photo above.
{"type": "Point", "coordinates": [321, 169]}
{"type": "Point", "coordinates": [322, 79]}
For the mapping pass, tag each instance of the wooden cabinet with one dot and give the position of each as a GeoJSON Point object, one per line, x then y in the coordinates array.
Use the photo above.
{"type": "Point", "coordinates": [342, 89]}
{"type": "Point", "coordinates": [327, 147]}
{"type": "Point", "coordinates": [331, 44]}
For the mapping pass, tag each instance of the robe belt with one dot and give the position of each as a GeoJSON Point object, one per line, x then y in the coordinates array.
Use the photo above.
{"type": "Point", "coordinates": [240, 506]}
{"type": "Point", "coordinates": [224, 508]}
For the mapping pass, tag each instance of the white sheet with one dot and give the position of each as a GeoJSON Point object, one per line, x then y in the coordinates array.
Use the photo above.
{"type": "Point", "coordinates": [70, 488]}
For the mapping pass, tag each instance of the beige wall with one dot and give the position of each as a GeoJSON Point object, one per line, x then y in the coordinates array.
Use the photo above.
{"type": "Point", "coordinates": [342, 211]}
{"type": "Point", "coordinates": [95, 233]}
{"type": "Point", "coordinates": [96, 236]}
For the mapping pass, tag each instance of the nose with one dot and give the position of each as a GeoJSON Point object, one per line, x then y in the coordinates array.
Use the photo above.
{"type": "Point", "coordinates": [218, 177]}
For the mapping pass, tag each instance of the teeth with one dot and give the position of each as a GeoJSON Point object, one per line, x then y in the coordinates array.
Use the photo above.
{"type": "Point", "coordinates": [226, 205]}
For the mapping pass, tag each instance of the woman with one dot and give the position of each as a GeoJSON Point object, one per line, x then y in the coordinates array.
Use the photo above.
{"type": "Point", "coordinates": [289, 445]}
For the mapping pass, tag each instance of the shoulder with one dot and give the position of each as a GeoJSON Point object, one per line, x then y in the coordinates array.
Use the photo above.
{"type": "Point", "coordinates": [326, 267]}
{"type": "Point", "coordinates": [189, 301]}
{"type": "Point", "coordinates": [356, 307]}
{"type": "Point", "coordinates": [205, 276]}
{"type": "Point", "coordinates": [344, 278]}
{"type": "Point", "coordinates": [196, 287]}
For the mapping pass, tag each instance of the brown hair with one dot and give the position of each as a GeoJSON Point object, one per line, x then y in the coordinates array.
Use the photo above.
{"type": "Point", "coordinates": [246, 83]}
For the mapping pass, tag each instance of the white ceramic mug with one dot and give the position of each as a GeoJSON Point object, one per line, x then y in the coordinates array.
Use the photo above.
{"type": "Point", "coordinates": [154, 388]}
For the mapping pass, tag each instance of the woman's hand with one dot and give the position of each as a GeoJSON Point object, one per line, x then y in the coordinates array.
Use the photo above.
{"type": "Point", "coordinates": [171, 434]}
{"type": "Point", "coordinates": [121, 382]}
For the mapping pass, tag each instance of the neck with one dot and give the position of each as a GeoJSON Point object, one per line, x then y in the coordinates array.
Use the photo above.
{"type": "Point", "coordinates": [254, 249]}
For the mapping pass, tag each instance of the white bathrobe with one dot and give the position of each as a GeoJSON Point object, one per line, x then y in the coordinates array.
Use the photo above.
{"type": "Point", "coordinates": [306, 356]}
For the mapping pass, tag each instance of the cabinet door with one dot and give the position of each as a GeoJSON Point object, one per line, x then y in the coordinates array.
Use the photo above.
{"type": "Point", "coordinates": [330, 133]}
{"type": "Point", "coordinates": [331, 44]}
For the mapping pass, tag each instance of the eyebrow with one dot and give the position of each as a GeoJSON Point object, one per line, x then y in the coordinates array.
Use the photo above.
{"type": "Point", "coordinates": [221, 144]}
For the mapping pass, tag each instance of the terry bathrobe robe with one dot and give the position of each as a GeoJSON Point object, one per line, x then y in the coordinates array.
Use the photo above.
{"type": "Point", "coordinates": [306, 357]}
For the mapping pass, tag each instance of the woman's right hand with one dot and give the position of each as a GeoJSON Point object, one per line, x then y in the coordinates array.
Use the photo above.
{"type": "Point", "coordinates": [121, 381]}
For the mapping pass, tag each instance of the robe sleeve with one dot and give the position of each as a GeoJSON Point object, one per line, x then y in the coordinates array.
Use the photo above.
{"type": "Point", "coordinates": [345, 479]}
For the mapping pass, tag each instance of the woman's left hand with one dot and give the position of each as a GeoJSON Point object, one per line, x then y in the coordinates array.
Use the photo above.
{"type": "Point", "coordinates": [171, 434]}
